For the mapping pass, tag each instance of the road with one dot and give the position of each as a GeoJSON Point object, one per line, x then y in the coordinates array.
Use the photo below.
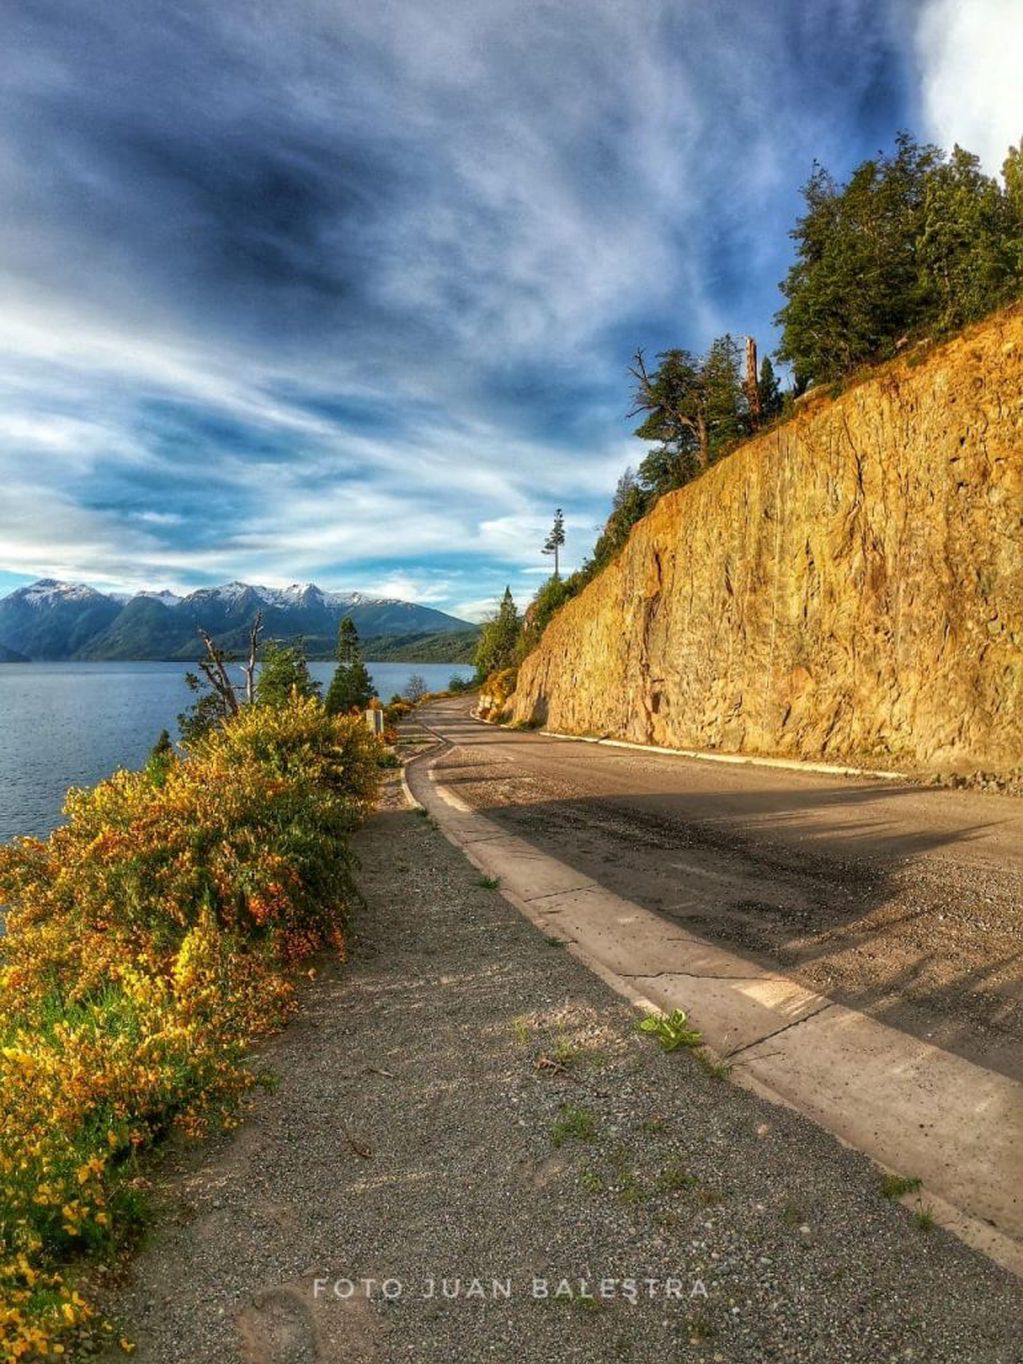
{"type": "Point", "coordinates": [901, 901]}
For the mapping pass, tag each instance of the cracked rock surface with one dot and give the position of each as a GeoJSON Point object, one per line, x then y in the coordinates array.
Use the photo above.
{"type": "Point", "coordinates": [847, 586]}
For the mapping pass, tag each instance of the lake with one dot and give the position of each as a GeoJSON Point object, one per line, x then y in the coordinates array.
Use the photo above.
{"type": "Point", "coordinates": [71, 724]}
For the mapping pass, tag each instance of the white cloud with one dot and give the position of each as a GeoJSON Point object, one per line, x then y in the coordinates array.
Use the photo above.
{"type": "Point", "coordinates": [971, 58]}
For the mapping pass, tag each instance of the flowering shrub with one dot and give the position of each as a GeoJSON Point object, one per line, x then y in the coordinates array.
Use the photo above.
{"type": "Point", "coordinates": [148, 944]}
{"type": "Point", "coordinates": [495, 693]}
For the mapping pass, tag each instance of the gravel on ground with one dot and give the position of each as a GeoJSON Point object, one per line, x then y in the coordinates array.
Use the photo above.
{"type": "Point", "coordinates": [473, 1154]}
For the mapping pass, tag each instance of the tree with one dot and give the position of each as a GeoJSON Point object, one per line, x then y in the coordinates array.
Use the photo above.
{"type": "Point", "coordinates": [726, 406]}
{"type": "Point", "coordinates": [548, 599]}
{"type": "Point", "coordinates": [161, 759]}
{"type": "Point", "coordinates": [163, 748]}
{"type": "Point", "coordinates": [855, 288]}
{"type": "Point", "coordinates": [415, 688]}
{"type": "Point", "coordinates": [627, 506]}
{"type": "Point", "coordinates": [498, 638]}
{"type": "Point", "coordinates": [284, 676]}
{"type": "Point", "coordinates": [696, 407]}
{"type": "Point", "coordinates": [769, 391]}
{"type": "Point", "coordinates": [351, 687]}
{"type": "Point", "coordinates": [1012, 174]}
{"type": "Point", "coordinates": [967, 252]}
{"type": "Point", "coordinates": [216, 699]}
{"type": "Point", "coordinates": [554, 541]}
{"type": "Point", "coordinates": [672, 399]}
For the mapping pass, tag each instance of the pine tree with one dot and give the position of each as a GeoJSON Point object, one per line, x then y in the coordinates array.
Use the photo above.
{"type": "Point", "coordinates": [351, 687]}
{"type": "Point", "coordinates": [966, 249]}
{"type": "Point", "coordinates": [856, 289]}
{"type": "Point", "coordinates": [627, 506]}
{"type": "Point", "coordinates": [283, 675]}
{"type": "Point", "coordinates": [554, 541]}
{"type": "Point", "coordinates": [1012, 174]}
{"type": "Point", "coordinates": [696, 407]}
{"type": "Point", "coordinates": [769, 390]}
{"type": "Point", "coordinates": [498, 638]}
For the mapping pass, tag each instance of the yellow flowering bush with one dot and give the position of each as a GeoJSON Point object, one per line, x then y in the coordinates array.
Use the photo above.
{"type": "Point", "coordinates": [149, 942]}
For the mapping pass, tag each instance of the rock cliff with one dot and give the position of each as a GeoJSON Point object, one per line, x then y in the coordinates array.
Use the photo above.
{"type": "Point", "coordinates": [847, 586]}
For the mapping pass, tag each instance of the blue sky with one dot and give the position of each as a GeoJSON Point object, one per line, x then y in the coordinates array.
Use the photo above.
{"type": "Point", "coordinates": [346, 292]}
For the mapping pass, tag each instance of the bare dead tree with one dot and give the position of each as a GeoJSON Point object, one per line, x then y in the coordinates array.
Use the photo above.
{"type": "Point", "coordinates": [250, 666]}
{"type": "Point", "coordinates": [214, 669]}
{"type": "Point", "coordinates": [750, 383]}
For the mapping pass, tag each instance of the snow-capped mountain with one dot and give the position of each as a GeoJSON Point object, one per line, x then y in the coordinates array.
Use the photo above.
{"type": "Point", "coordinates": [55, 620]}
{"type": "Point", "coordinates": [166, 598]}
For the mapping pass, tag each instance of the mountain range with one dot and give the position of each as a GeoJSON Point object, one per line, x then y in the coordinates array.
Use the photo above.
{"type": "Point", "coordinates": [56, 620]}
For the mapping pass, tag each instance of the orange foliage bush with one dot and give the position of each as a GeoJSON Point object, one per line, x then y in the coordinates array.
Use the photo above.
{"type": "Point", "coordinates": [148, 943]}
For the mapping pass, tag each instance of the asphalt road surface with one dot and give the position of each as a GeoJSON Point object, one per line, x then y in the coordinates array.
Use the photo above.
{"type": "Point", "coordinates": [902, 901]}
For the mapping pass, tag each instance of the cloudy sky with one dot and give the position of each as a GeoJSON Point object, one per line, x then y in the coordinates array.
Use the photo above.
{"type": "Point", "coordinates": [345, 292]}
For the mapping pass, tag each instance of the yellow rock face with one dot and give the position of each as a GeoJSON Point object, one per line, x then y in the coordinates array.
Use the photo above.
{"type": "Point", "coordinates": [849, 586]}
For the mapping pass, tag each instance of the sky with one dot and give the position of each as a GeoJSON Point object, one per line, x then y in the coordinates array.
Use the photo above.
{"type": "Point", "coordinates": [346, 292]}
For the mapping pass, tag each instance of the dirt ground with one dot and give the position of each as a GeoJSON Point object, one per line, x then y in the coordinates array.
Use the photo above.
{"type": "Point", "coordinates": [473, 1154]}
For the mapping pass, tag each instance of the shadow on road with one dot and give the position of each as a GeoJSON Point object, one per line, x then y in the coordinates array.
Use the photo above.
{"type": "Point", "coordinates": [858, 889]}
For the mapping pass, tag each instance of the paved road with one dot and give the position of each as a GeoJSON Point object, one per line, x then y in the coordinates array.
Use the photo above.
{"type": "Point", "coordinates": [904, 902]}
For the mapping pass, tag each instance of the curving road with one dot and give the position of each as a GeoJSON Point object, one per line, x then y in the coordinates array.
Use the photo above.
{"type": "Point", "coordinates": [901, 901]}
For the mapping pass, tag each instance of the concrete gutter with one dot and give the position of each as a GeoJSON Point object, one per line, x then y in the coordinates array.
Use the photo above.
{"type": "Point", "coordinates": [915, 1108]}
{"type": "Point", "coordinates": [740, 759]}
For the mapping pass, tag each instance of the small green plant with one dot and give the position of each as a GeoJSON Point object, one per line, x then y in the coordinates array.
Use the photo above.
{"type": "Point", "coordinates": [520, 1027]}
{"type": "Point", "coordinates": [489, 882]}
{"type": "Point", "coordinates": [701, 1330]}
{"type": "Point", "coordinates": [586, 1303]}
{"type": "Point", "coordinates": [630, 1188]}
{"type": "Point", "coordinates": [897, 1186]}
{"type": "Point", "coordinates": [555, 942]}
{"type": "Point", "coordinates": [924, 1219]}
{"type": "Point", "coordinates": [591, 1181]}
{"type": "Point", "coordinates": [674, 1178]}
{"type": "Point", "coordinates": [573, 1124]}
{"type": "Point", "coordinates": [670, 1030]}
{"type": "Point", "coordinates": [792, 1215]}
{"type": "Point", "coordinates": [654, 1126]}
{"type": "Point", "coordinates": [716, 1070]}
{"type": "Point", "coordinates": [565, 1051]}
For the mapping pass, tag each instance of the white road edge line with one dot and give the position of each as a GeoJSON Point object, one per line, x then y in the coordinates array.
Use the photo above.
{"type": "Point", "coordinates": [910, 1106]}
{"type": "Point", "coordinates": [736, 759]}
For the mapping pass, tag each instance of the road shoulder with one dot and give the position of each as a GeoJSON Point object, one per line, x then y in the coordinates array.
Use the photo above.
{"type": "Point", "coordinates": [908, 1104]}
{"type": "Point", "coordinates": [465, 1101]}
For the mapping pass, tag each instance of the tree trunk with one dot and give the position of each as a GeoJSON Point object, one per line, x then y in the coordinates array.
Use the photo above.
{"type": "Point", "coordinates": [752, 385]}
{"type": "Point", "coordinates": [250, 666]}
{"type": "Point", "coordinates": [703, 437]}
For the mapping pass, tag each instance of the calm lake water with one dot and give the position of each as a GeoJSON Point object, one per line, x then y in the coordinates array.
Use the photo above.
{"type": "Point", "coordinates": [71, 724]}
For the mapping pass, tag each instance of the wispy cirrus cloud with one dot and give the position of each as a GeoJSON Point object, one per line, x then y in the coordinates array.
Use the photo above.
{"type": "Point", "coordinates": [347, 292]}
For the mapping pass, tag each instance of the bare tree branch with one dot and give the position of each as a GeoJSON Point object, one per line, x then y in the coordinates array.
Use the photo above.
{"type": "Point", "coordinates": [250, 666]}
{"type": "Point", "coordinates": [216, 673]}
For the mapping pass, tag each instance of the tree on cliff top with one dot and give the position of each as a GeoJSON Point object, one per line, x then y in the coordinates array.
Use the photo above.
{"type": "Point", "coordinates": [695, 407]}
{"type": "Point", "coordinates": [913, 240]}
{"type": "Point", "coordinates": [554, 541]}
